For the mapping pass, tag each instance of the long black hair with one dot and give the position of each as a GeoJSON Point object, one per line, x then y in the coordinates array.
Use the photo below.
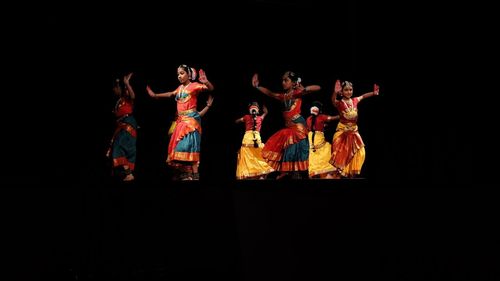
{"type": "Point", "coordinates": [254, 113]}
{"type": "Point", "coordinates": [319, 105]}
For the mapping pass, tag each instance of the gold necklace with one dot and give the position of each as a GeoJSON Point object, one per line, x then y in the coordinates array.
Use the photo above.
{"type": "Point", "coordinates": [288, 99]}
{"type": "Point", "coordinates": [348, 103]}
{"type": "Point", "coordinates": [183, 88]}
{"type": "Point", "coordinates": [349, 113]}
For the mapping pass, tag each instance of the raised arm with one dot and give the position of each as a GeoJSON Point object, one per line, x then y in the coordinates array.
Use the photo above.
{"type": "Point", "coordinates": [126, 80]}
{"type": "Point", "coordinates": [336, 91]}
{"type": "Point", "coordinates": [116, 87]}
{"type": "Point", "coordinates": [160, 95]}
{"type": "Point", "coordinates": [210, 100]}
{"type": "Point", "coordinates": [370, 94]}
{"type": "Point", "coordinates": [265, 91]}
{"type": "Point", "coordinates": [264, 109]}
{"type": "Point", "coordinates": [203, 79]}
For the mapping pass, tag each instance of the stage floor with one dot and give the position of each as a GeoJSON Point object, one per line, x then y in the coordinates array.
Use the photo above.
{"type": "Point", "coordinates": [250, 230]}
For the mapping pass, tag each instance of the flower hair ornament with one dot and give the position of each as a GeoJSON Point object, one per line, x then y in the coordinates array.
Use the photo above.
{"type": "Point", "coordinates": [346, 84]}
{"type": "Point", "coordinates": [253, 107]}
{"type": "Point", "coordinates": [194, 74]}
{"type": "Point", "coordinates": [315, 110]}
{"type": "Point", "coordinates": [294, 77]}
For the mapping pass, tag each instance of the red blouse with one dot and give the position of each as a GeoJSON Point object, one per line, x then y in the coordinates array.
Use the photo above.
{"type": "Point", "coordinates": [320, 122]}
{"type": "Point", "coordinates": [187, 97]}
{"type": "Point", "coordinates": [123, 107]}
{"type": "Point", "coordinates": [348, 112]}
{"type": "Point", "coordinates": [248, 119]}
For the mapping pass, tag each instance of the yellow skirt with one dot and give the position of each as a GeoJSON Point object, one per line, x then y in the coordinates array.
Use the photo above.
{"type": "Point", "coordinates": [348, 150]}
{"type": "Point", "coordinates": [250, 162]}
{"type": "Point", "coordinates": [172, 128]}
{"type": "Point", "coordinates": [354, 168]}
{"type": "Point", "coordinates": [319, 155]}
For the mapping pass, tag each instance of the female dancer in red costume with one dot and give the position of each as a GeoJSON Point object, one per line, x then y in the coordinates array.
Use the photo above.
{"type": "Point", "coordinates": [122, 149]}
{"type": "Point", "coordinates": [348, 149]}
{"type": "Point", "coordinates": [184, 145]}
{"type": "Point", "coordinates": [287, 150]}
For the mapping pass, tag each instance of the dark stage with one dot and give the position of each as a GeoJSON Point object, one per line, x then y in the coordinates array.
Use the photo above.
{"type": "Point", "coordinates": [301, 230]}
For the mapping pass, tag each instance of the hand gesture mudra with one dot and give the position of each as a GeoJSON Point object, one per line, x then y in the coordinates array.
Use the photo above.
{"type": "Point", "coordinates": [203, 77]}
{"type": "Point", "coordinates": [150, 92]}
{"type": "Point", "coordinates": [375, 89]}
{"type": "Point", "coordinates": [116, 87]}
{"type": "Point", "coordinates": [210, 100]}
{"type": "Point", "coordinates": [338, 86]}
{"type": "Point", "coordinates": [127, 77]}
{"type": "Point", "coordinates": [255, 80]}
{"type": "Point", "coordinates": [300, 87]}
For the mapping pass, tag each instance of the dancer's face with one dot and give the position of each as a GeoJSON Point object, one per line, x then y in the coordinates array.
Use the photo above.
{"type": "Point", "coordinates": [182, 75]}
{"type": "Point", "coordinates": [287, 82]}
{"type": "Point", "coordinates": [347, 91]}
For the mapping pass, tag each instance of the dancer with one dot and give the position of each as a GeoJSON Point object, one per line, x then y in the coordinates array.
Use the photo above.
{"type": "Point", "coordinates": [250, 164]}
{"type": "Point", "coordinates": [184, 145]}
{"type": "Point", "coordinates": [287, 151]}
{"type": "Point", "coordinates": [348, 149]}
{"type": "Point", "coordinates": [122, 149]}
{"type": "Point", "coordinates": [320, 151]}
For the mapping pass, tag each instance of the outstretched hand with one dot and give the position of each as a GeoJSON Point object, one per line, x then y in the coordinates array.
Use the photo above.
{"type": "Point", "coordinates": [116, 87]}
{"type": "Point", "coordinates": [255, 80]}
{"type": "Point", "coordinates": [375, 89]}
{"type": "Point", "coordinates": [150, 92]}
{"type": "Point", "coordinates": [338, 86]}
{"type": "Point", "coordinates": [203, 77]}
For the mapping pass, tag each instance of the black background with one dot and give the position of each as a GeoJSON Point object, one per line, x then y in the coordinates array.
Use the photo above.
{"type": "Point", "coordinates": [65, 217]}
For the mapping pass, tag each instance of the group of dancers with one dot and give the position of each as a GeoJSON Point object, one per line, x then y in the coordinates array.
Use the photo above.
{"type": "Point", "coordinates": [299, 150]}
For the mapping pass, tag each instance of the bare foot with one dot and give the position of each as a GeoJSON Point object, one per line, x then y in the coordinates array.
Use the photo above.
{"type": "Point", "coordinates": [329, 176]}
{"type": "Point", "coordinates": [280, 176]}
{"type": "Point", "coordinates": [129, 177]}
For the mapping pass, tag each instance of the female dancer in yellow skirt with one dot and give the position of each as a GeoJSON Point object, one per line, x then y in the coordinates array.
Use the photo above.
{"type": "Point", "coordinates": [348, 149]}
{"type": "Point", "coordinates": [250, 164]}
{"type": "Point", "coordinates": [320, 150]}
